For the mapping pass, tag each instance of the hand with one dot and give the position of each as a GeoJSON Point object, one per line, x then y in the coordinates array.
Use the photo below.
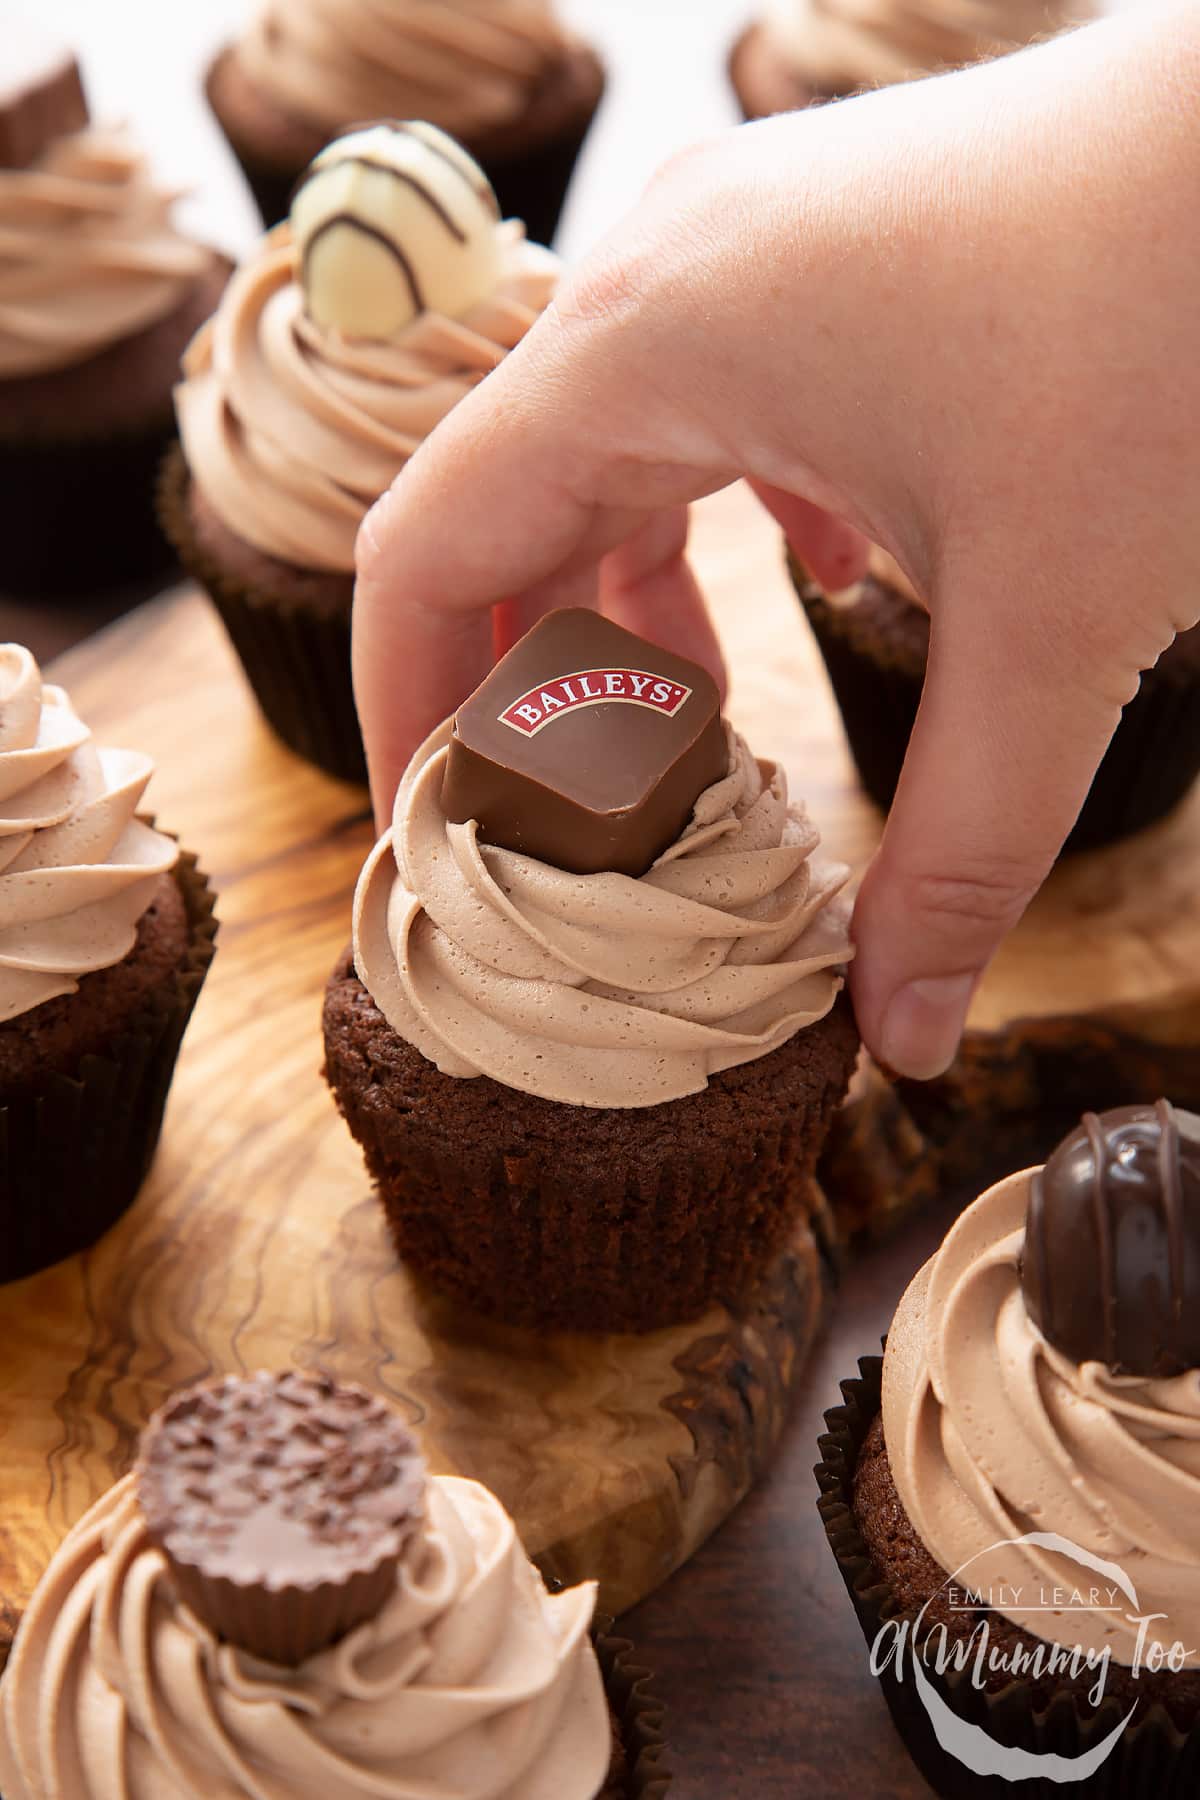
{"type": "Point", "coordinates": [960, 316]}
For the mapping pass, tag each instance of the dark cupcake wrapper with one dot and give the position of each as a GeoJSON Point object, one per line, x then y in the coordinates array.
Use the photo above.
{"type": "Point", "coordinates": [637, 1715]}
{"type": "Point", "coordinates": [77, 512]}
{"type": "Point", "coordinates": [1152, 1759]}
{"type": "Point", "coordinates": [530, 185]}
{"type": "Point", "coordinates": [296, 659]}
{"type": "Point", "coordinates": [1151, 763]}
{"type": "Point", "coordinates": [75, 1150]}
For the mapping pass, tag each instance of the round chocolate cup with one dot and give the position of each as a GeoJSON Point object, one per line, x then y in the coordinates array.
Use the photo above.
{"type": "Point", "coordinates": [876, 663]}
{"type": "Point", "coordinates": [1153, 1759]}
{"type": "Point", "coordinates": [75, 1149]}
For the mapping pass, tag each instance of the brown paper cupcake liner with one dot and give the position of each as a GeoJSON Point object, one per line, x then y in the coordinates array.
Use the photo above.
{"type": "Point", "coordinates": [1152, 761]}
{"type": "Point", "coordinates": [75, 1151]}
{"type": "Point", "coordinates": [637, 1717]}
{"type": "Point", "coordinates": [1152, 1760]}
{"type": "Point", "coordinates": [296, 659]}
{"type": "Point", "coordinates": [556, 1217]}
{"type": "Point", "coordinates": [530, 185]}
{"type": "Point", "coordinates": [77, 513]}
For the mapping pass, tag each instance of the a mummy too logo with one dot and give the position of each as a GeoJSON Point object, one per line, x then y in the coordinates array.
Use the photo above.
{"type": "Point", "coordinates": [1102, 1592]}
{"type": "Point", "coordinates": [593, 687]}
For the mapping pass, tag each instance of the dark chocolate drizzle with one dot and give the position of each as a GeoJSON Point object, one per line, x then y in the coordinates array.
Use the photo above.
{"type": "Point", "coordinates": [1111, 1263]}
{"type": "Point", "coordinates": [380, 237]}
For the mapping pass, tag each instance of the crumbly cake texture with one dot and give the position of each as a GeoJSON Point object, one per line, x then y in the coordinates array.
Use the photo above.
{"type": "Point", "coordinates": [579, 1218]}
{"type": "Point", "coordinates": [916, 1579]}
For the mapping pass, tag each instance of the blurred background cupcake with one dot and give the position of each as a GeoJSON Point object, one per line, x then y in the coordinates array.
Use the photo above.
{"type": "Point", "coordinates": [874, 638]}
{"type": "Point", "coordinates": [279, 1600]}
{"type": "Point", "coordinates": [99, 294]}
{"type": "Point", "coordinates": [504, 77]}
{"type": "Point", "coordinates": [1020, 1479]}
{"type": "Point", "coordinates": [802, 52]}
{"type": "Point", "coordinates": [106, 934]}
{"type": "Point", "coordinates": [593, 1034]}
{"type": "Point", "coordinates": [393, 290]}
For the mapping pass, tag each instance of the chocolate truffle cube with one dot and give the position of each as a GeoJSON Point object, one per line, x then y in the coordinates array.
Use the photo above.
{"type": "Point", "coordinates": [586, 747]}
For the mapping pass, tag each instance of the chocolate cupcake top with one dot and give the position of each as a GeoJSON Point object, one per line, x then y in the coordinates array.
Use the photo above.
{"type": "Point", "coordinates": [995, 1431]}
{"type": "Point", "coordinates": [840, 45]}
{"type": "Point", "coordinates": [468, 1679]}
{"type": "Point", "coordinates": [601, 989]}
{"type": "Point", "coordinates": [469, 65]}
{"type": "Point", "coordinates": [293, 424]}
{"type": "Point", "coordinates": [88, 253]}
{"type": "Point", "coordinates": [77, 866]}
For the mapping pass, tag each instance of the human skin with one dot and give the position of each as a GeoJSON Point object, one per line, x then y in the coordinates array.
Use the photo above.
{"type": "Point", "coordinates": [958, 317]}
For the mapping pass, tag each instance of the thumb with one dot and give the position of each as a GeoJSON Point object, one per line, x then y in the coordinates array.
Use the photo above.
{"type": "Point", "coordinates": [1013, 722]}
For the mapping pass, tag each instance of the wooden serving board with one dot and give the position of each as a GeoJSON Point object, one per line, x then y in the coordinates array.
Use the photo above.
{"type": "Point", "coordinates": [256, 1241]}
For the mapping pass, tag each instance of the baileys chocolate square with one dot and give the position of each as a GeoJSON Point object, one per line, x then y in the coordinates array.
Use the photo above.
{"type": "Point", "coordinates": [586, 747]}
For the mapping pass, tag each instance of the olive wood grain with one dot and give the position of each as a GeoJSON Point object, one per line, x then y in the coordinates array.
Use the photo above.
{"type": "Point", "coordinates": [256, 1240]}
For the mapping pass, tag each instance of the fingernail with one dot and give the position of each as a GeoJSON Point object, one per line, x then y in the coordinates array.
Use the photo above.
{"type": "Point", "coordinates": [923, 1024]}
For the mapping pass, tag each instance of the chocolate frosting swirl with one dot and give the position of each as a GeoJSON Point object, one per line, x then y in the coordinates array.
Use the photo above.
{"type": "Point", "coordinates": [77, 867]}
{"type": "Point", "coordinates": [469, 66]}
{"type": "Point", "coordinates": [471, 1684]}
{"type": "Point", "coordinates": [88, 254]}
{"type": "Point", "coordinates": [293, 432]}
{"type": "Point", "coordinates": [993, 1433]}
{"type": "Point", "coordinates": [603, 990]}
{"type": "Point", "coordinates": [840, 45]}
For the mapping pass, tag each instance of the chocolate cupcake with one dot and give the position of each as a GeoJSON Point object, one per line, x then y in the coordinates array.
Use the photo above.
{"type": "Point", "coordinates": [99, 294]}
{"type": "Point", "coordinates": [874, 638]}
{"type": "Point", "coordinates": [591, 1039]}
{"type": "Point", "coordinates": [805, 52]}
{"type": "Point", "coordinates": [106, 934]}
{"type": "Point", "coordinates": [501, 76]}
{"type": "Point", "coordinates": [279, 1599]}
{"type": "Point", "coordinates": [1011, 1495]}
{"type": "Point", "coordinates": [336, 350]}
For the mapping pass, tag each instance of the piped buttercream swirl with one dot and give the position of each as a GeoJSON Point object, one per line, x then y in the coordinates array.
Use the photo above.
{"type": "Point", "coordinates": [993, 1434]}
{"type": "Point", "coordinates": [469, 66]}
{"type": "Point", "coordinates": [77, 867]}
{"type": "Point", "coordinates": [293, 432]}
{"type": "Point", "coordinates": [471, 1684]}
{"type": "Point", "coordinates": [841, 45]}
{"type": "Point", "coordinates": [603, 990]}
{"type": "Point", "coordinates": [88, 254]}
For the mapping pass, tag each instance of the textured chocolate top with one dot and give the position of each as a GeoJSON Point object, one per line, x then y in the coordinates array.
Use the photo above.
{"type": "Point", "coordinates": [277, 1481]}
{"type": "Point", "coordinates": [41, 94]}
{"type": "Point", "coordinates": [586, 747]}
{"type": "Point", "coordinates": [1111, 1265]}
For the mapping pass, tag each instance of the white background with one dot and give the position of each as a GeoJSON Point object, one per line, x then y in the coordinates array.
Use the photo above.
{"type": "Point", "coordinates": [143, 61]}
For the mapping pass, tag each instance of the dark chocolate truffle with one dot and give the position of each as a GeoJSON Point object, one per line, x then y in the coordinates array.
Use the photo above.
{"type": "Point", "coordinates": [283, 1504]}
{"type": "Point", "coordinates": [1111, 1264]}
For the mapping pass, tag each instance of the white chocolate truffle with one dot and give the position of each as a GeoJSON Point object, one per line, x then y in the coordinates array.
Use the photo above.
{"type": "Point", "coordinates": [393, 220]}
